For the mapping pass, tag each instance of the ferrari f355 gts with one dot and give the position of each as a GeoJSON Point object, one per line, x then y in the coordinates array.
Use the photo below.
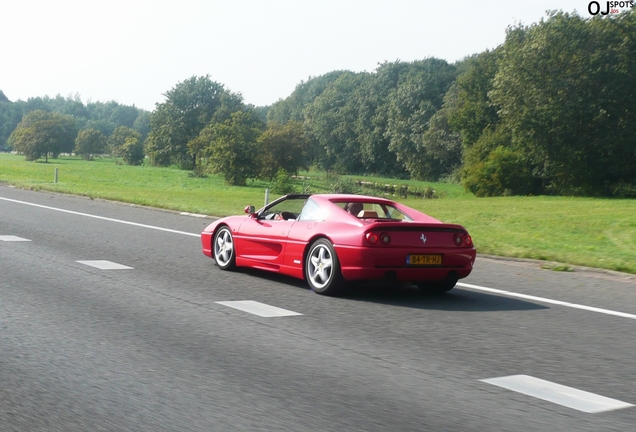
{"type": "Point", "coordinates": [332, 239]}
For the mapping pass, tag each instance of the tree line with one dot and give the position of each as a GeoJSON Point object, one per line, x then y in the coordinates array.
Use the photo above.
{"type": "Point", "coordinates": [550, 111]}
{"type": "Point", "coordinates": [47, 127]}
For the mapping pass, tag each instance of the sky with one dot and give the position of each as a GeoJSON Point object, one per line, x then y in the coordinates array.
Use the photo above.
{"type": "Point", "coordinates": [134, 51]}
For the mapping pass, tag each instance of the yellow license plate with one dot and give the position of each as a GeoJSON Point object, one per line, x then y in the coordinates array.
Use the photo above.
{"type": "Point", "coordinates": [424, 260]}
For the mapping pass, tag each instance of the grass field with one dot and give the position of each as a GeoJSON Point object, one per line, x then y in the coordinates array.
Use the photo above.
{"type": "Point", "coordinates": [590, 232]}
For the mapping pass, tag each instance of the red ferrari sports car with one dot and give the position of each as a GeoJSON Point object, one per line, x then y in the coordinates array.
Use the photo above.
{"type": "Point", "coordinates": [329, 240]}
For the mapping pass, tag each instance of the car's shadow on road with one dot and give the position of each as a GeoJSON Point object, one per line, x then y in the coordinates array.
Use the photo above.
{"type": "Point", "coordinates": [458, 299]}
{"type": "Point", "coordinates": [410, 296]}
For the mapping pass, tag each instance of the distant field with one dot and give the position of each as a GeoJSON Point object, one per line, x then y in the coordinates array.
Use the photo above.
{"type": "Point", "coordinates": [578, 231]}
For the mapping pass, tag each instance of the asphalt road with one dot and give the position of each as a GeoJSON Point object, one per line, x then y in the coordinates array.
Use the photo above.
{"type": "Point", "coordinates": [149, 347]}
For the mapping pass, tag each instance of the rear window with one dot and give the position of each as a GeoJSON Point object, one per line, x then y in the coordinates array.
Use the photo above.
{"type": "Point", "coordinates": [373, 210]}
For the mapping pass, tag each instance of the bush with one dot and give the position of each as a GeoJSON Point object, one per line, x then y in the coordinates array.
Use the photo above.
{"type": "Point", "coordinates": [503, 172]}
{"type": "Point", "coordinates": [132, 151]}
{"type": "Point", "coordinates": [283, 183]}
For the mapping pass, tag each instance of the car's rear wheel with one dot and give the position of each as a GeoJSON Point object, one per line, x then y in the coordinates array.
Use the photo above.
{"type": "Point", "coordinates": [439, 287]}
{"type": "Point", "coordinates": [322, 268]}
{"type": "Point", "coordinates": [224, 252]}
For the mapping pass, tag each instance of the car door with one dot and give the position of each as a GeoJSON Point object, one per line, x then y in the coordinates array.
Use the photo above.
{"type": "Point", "coordinates": [262, 239]}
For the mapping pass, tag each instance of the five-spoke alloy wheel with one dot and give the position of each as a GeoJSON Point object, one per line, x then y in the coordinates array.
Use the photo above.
{"type": "Point", "coordinates": [224, 249]}
{"type": "Point", "coordinates": [322, 268]}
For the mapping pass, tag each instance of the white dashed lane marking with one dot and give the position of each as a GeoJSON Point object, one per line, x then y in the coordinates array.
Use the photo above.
{"type": "Point", "coordinates": [256, 308]}
{"type": "Point", "coordinates": [105, 265]}
{"type": "Point", "coordinates": [12, 238]}
{"type": "Point", "coordinates": [559, 394]}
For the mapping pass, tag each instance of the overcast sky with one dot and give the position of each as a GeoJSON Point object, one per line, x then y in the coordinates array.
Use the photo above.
{"type": "Point", "coordinates": [133, 51]}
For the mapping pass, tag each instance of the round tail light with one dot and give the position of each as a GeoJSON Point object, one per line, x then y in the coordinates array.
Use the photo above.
{"type": "Point", "coordinates": [462, 239]}
{"type": "Point", "coordinates": [372, 238]}
{"type": "Point", "coordinates": [385, 239]}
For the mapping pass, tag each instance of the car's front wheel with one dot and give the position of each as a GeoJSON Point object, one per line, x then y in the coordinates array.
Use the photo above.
{"type": "Point", "coordinates": [322, 268]}
{"type": "Point", "coordinates": [224, 253]}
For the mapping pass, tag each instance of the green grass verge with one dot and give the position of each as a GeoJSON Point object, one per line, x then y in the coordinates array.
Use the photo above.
{"type": "Point", "coordinates": [590, 232]}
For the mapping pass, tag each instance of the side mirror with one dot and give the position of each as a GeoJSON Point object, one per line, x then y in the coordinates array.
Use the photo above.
{"type": "Point", "coordinates": [249, 210]}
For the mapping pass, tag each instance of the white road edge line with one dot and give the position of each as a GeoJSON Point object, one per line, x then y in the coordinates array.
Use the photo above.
{"type": "Point", "coordinates": [193, 215]}
{"type": "Point", "coordinates": [101, 217]}
{"type": "Point", "coordinates": [547, 300]}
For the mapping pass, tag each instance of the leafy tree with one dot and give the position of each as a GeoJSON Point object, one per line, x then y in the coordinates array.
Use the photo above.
{"type": "Point", "coordinates": [104, 126]}
{"type": "Point", "coordinates": [371, 99]}
{"type": "Point", "coordinates": [132, 150]}
{"type": "Point", "coordinates": [142, 124]}
{"type": "Point", "coordinates": [565, 88]}
{"type": "Point", "coordinates": [90, 142]}
{"type": "Point", "coordinates": [123, 115]}
{"type": "Point", "coordinates": [412, 104]}
{"type": "Point", "coordinates": [293, 107]}
{"type": "Point", "coordinates": [10, 116]}
{"type": "Point", "coordinates": [283, 148]}
{"type": "Point", "coordinates": [332, 118]}
{"type": "Point", "coordinates": [262, 112]}
{"type": "Point", "coordinates": [490, 166]}
{"type": "Point", "coordinates": [473, 112]}
{"type": "Point", "coordinates": [107, 116]}
{"type": "Point", "coordinates": [555, 105]}
{"type": "Point", "coordinates": [71, 106]}
{"type": "Point", "coordinates": [231, 148]}
{"type": "Point", "coordinates": [119, 137]}
{"type": "Point", "coordinates": [441, 148]}
{"type": "Point", "coordinates": [37, 103]}
{"type": "Point", "coordinates": [189, 107]}
{"type": "Point", "coordinates": [348, 115]}
{"type": "Point", "coordinates": [370, 102]}
{"type": "Point", "coordinates": [41, 133]}
{"type": "Point", "coordinates": [29, 141]}
{"type": "Point", "coordinates": [230, 103]}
